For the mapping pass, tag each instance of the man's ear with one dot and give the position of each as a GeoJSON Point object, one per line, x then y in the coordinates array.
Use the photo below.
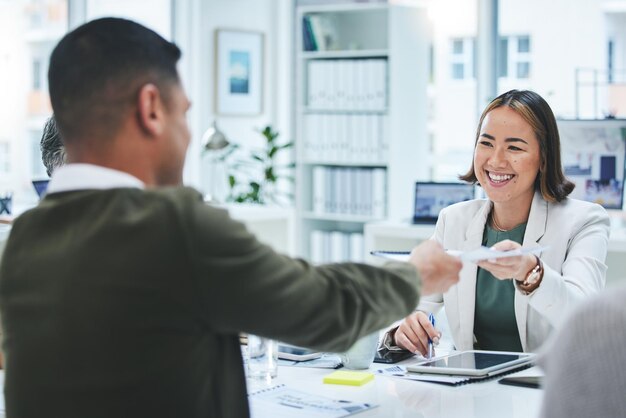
{"type": "Point", "coordinates": [150, 110]}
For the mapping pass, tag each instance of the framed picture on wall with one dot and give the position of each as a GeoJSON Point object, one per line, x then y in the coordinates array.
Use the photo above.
{"type": "Point", "coordinates": [239, 72]}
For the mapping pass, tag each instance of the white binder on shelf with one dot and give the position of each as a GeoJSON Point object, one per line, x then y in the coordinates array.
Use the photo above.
{"type": "Point", "coordinates": [378, 192]}
{"type": "Point", "coordinates": [319, 192]}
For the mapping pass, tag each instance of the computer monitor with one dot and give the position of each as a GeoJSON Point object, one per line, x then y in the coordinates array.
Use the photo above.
{"type": "Point", "coordinates": [593, 154]}
{"type": "Point", "coordinates": [431, 197]}
{"type": "Point", "coordinates": [40, 187]}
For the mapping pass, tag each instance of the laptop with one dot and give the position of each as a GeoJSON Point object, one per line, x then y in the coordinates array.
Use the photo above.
{"type": "Point", "coordinates": [431, 197]}
{"type": "Point", "coordinates": [40, 187]}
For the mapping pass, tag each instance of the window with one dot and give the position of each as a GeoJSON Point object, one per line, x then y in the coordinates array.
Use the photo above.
{"type": "Point", "coordinates": [38, 170]}
{"type": "Point", "coordinates": [159, 19]}
{"type": "Point", "coordinates": [37, 74]}
{"type": "Point", "coordinates": [33, 27]}
{"type": "Point", "coordinates": [514, 57]}
{"type": "Point", "coordinates": [523, 44]}
{"type": "Point", "coordinates": [610, 60]}
{"type": "Point", "coordinates": [503, 57]}
{"type": "Point", "coordinates": [5, 158]}
{"type": "Point", "coordinates": [462, 58]}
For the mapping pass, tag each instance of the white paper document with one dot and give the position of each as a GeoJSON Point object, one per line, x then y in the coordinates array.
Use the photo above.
{"type": "Point", "coordinates": [284, 402]}
{"type": "Point", "coordinates": [479, 254]}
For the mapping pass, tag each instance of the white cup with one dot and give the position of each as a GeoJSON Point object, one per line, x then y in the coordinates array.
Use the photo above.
{"type": "Point", "coordinates": [361, 354]}
{"type": "Point", "coordinates": [262, 357]}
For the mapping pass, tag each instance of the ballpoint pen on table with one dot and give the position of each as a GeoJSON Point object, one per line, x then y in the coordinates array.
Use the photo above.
{"type": "Point", "coordinates": [431, 318]}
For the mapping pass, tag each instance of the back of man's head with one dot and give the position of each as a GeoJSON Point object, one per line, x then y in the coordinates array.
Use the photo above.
{"type": "Point", "coordinates": [97, 70]}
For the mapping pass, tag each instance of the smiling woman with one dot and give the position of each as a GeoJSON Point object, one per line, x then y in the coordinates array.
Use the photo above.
{"type": "Point", "coordinates": [506, 164]}
{"type": "Point", "coordinates": [515, 303]}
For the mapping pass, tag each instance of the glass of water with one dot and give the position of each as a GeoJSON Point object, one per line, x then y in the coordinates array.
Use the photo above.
{"type": "Point", "coordinates": [262, 357]}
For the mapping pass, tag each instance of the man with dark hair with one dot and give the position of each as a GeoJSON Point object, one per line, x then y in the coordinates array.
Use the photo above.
{"type": "Point", "coordinates": [52, 150]}
{"type": "Point", "coordinates": [124, 298]}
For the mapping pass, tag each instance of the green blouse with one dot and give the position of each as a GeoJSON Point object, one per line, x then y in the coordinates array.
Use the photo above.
{"type": "Point", "coordinates": [495, 326]}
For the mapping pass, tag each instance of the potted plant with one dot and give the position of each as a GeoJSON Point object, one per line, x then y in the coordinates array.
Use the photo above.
{"type": "Point", "coordinates": [255, 179]}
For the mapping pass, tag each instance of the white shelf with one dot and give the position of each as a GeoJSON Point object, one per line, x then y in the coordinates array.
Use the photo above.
{"type": "Point", "coordinates": [387, 138]}
{"type": "Point", "coordinates": [356, 53]}
{"type": "Point", "coordinates": [337, 217]}
{"type": "Point", "coordinates": [345, 164]}
{"type": "Point", "coordinates": [311, 111]}
{"type": "Point", "coordinates": [345, 7]}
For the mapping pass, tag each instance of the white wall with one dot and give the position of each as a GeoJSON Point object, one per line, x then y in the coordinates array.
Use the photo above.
{"type": "Point", "coordinates": [271, 17]}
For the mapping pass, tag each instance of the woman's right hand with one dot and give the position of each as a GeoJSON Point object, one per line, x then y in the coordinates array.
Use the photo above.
{"type": "Point", "coordinates": [413, 333]}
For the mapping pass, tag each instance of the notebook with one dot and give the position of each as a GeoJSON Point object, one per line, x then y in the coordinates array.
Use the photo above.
{"type": "Point", "coordinates": [431, 197]}
{"type": "Point", "coordinates": [402, 373]}
{"type": "Point", "coordinates": [284, 402]}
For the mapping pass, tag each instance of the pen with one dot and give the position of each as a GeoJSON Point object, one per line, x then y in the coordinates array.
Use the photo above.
{"type": "Point", "coordinates": [431, 318]}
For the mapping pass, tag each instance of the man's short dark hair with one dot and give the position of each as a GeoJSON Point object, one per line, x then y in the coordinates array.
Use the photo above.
{"type": "Point", "coordinates": [52, 149]}
{"type": "Point", "coordinates": [97, 70]}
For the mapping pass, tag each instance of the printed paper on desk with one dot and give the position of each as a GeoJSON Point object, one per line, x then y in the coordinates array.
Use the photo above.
{"type": "Point", "coordinates": [284, 402]}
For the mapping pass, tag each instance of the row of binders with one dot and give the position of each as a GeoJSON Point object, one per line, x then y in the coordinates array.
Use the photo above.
{"type": "Point", "coordinates": [336, 247]}
{"type": "Point", "coordinates": [347, 84]}
{"type": "Point", "coordinates": [349, 191]}
{"type": "Point", "coordinates": [346, 138]}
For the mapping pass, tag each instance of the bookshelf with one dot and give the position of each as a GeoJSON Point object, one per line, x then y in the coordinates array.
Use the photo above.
{"type": "Point", "coordinates": [361, 121]}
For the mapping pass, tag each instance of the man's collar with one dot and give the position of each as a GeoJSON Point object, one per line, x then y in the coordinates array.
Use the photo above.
{"type": "Point", "coordinates": [72, 177]}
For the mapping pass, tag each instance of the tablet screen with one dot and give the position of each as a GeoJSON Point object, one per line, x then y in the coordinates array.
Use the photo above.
{"type": "Point", "coordinates": [473, 360]}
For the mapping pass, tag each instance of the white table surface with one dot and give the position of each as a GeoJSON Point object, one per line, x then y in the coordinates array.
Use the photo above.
{"type": "Point", "coordinates": [399, 398]}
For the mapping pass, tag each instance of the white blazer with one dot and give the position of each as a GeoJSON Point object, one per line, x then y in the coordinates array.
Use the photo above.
{"type": "Point", "coordinates": [577, 234]}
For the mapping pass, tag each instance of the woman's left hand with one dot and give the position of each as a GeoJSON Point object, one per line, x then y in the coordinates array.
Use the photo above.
{"type": "Point", "coordinates": [509, 267]}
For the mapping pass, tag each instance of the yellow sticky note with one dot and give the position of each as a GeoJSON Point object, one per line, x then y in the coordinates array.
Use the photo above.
{"type": "Point", "coordinates": [342, 377]}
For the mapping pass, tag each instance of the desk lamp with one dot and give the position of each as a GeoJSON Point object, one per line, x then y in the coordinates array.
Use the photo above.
{"type": "Point", "coordinates": [213, 140]}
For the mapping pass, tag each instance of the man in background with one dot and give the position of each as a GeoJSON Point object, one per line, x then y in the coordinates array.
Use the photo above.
{"type": "Point", "coordinates": [52, 156]}
{"type": "Point", "coordinates": [122, 294]}
{"type": "Point", "coordinates": [52, 150]}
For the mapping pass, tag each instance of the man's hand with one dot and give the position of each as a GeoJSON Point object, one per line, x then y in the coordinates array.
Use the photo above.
{"type": "Point", "coordinates": [437, 269]}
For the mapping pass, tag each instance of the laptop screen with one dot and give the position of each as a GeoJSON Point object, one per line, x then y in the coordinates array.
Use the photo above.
{"type": "Point", "coordinates": [431, 197]}
{"type": "Point", "coordinates": [40, 187]}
